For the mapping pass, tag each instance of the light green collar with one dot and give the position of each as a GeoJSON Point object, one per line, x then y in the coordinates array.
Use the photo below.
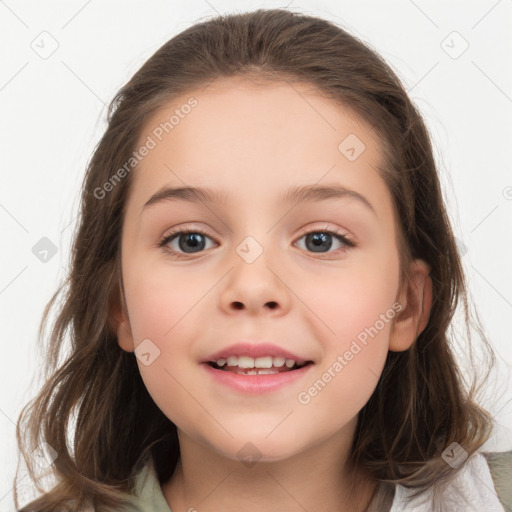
{"type": "Point", "coordinates": [147, 494]}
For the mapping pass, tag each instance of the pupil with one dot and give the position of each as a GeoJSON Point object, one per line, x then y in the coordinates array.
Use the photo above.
{"type": "Point", "coordinates": [318, 239]}
{"type": "Point", "coordinates": [194, 239]}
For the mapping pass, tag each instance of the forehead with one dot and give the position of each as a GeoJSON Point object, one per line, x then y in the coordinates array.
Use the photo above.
{"type": "Point", "coordinates": [258, 138]}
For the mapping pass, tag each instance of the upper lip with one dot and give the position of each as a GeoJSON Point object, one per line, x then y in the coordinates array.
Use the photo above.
{"type": "Point", "coordinates": [254, 350]}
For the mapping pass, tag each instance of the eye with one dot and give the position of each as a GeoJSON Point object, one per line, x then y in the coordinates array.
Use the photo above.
{"type": "Point", "coordinates": [322, 241]}
{"type": "Point", "coordinates": [188, 241]}
{"type": "Point", "coordinates": [194, 240]}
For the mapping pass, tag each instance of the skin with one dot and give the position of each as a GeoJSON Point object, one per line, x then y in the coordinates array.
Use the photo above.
{"type": "Point", "coordinates": [255, 141]}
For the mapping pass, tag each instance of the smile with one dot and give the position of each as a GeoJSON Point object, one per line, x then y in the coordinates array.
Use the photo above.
{"type": "Point", "coordinates": [266, 365]}
{"type": "Point", "coordinates": [256, 380]}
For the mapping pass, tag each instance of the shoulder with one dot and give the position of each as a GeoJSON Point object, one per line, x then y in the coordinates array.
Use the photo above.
{"type": "Point", "coordinates": [473, 488]}
{"type": "Point", "coordinates": [500, 467]}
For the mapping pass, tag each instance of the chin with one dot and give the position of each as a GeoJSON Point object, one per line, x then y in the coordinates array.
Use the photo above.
{"type": "Point", "coordinates": [258, 449]}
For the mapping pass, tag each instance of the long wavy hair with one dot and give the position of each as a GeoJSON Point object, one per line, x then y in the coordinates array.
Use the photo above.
{"type": "Point", "coordinates": [423, 401]}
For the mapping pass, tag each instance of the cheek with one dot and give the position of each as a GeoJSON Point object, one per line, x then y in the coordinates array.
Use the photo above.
{"type": "Point", "coordinates": [165, 316]}
{"type": "Point", "coordinates": [340, 390]}
{"type": "Point", "coordinates": [160, 302]}
{"type": "Point", "coordinates": [358, 310]}
{"type": "Point", "coordinates": [356, 298]}
{"type": "Point", "coordinates": [357, 314]}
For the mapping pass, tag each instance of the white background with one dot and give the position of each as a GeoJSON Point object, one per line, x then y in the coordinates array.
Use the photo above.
{"type": "Point", "coordinates": [53, 112]}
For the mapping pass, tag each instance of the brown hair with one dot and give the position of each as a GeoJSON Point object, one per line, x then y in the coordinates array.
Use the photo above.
{"type": "Point", "coordinates": [421, 403]}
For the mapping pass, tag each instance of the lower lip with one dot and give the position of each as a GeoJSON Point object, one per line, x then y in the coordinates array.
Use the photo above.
{"type": "Point", "coordinates": [256, 384]}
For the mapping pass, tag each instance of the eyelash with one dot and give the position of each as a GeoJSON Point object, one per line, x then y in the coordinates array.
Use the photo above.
{"type": "Point", "coordinates": [349, 244]}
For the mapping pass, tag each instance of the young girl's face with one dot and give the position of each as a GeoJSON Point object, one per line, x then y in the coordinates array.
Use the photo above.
{"type": "Point", "coordinates": [248, 272]}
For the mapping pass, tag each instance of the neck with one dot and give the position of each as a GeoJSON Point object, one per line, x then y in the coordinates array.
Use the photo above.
{"type": "Point", "coordinates": [317, 478]}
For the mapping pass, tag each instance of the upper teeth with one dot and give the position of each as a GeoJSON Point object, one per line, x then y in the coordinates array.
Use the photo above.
{"type": "Point", "coordinates": [258, 362]}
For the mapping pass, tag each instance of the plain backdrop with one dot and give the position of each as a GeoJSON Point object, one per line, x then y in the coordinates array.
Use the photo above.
{"type": "Point", "coordinates": [62, 63]}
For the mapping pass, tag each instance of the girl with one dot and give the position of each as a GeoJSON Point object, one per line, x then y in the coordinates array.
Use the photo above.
{"type": "Point", "coordinates": [295, 356]}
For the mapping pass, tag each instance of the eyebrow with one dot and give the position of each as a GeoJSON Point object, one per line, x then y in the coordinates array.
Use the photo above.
{"type": "Point", "coordinates": [296, 194]}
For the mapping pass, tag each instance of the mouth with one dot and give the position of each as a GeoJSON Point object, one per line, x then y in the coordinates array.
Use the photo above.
{"type": "Point", "coordinates": [256, 380]}
{"type": "Point", "coordinates": [264, 368]}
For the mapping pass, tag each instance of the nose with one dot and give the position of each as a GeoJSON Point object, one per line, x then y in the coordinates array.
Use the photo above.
{"type": "Point", "coordinates": [255, 288]}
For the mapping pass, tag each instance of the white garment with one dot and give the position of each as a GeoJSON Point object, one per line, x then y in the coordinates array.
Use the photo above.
{"type": "Point", "coordinates": [472, 490]}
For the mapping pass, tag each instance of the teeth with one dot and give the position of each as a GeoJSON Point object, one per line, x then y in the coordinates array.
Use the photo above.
{"type": "Point", "coordinates": [259, 372]}
{"type": "Point", "coordinates": [279, 361]}
{"type": "Point", "coordinates": [265, 362]}
{"type": "Point", "coordinates": [245, 362]}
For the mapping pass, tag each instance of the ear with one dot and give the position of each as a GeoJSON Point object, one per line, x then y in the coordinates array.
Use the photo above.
{"type": "Point", "coordinates": [416, 299]}
{"type": "Point", "coordinates": [119, 321]}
